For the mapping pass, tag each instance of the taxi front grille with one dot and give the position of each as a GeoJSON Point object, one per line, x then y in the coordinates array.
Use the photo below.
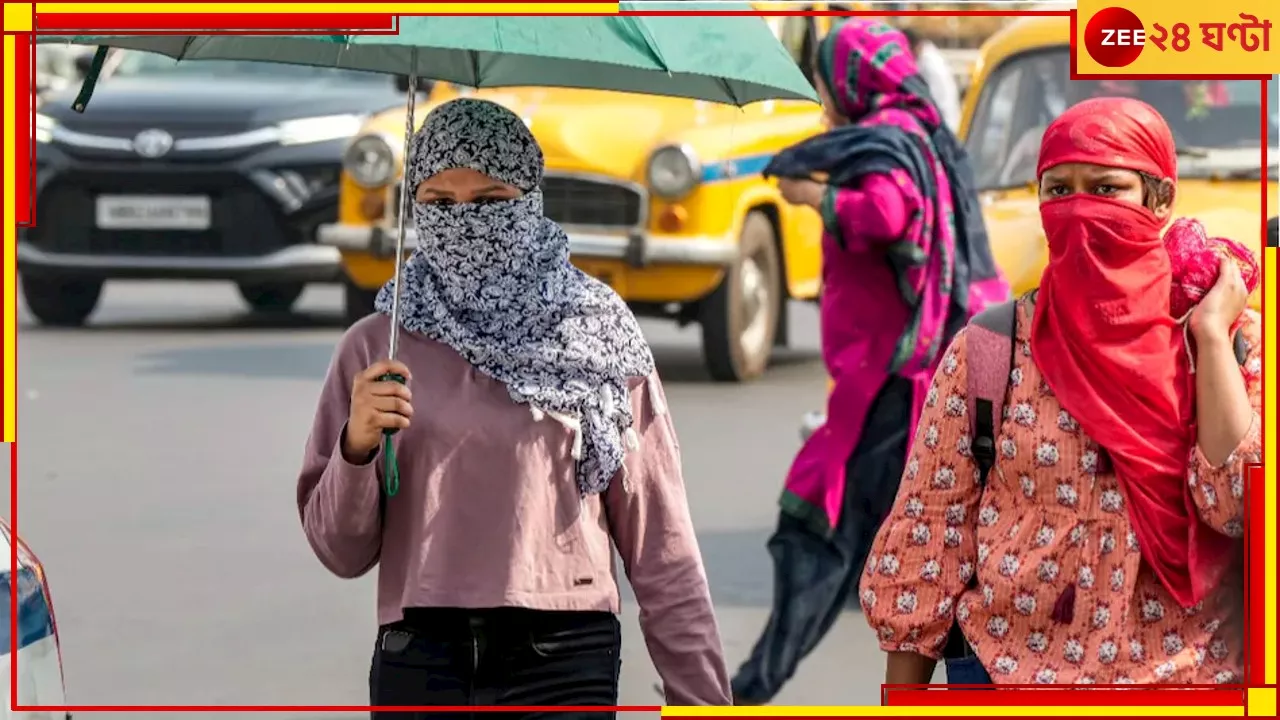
{"type": "Point", "coordinates": [570, 200]}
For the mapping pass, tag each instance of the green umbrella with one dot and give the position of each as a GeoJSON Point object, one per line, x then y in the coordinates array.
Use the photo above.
{"type": "Point", "coordinates": [726, 59]}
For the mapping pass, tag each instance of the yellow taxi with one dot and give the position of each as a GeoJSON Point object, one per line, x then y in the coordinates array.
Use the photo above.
{"type": "Point", "coordinates": [662, 198]}
{"type": "Point", "coordinates": [1021, 81]}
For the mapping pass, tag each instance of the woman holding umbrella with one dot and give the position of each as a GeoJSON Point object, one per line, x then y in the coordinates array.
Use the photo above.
{"type": "Point", "coordinates": [905, 264]}
{"type": "Point", "coordinates": [533, 439]}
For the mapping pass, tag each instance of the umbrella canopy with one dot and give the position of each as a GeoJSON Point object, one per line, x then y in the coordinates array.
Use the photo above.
{"type": "Point", "coordinates": [726, 59]}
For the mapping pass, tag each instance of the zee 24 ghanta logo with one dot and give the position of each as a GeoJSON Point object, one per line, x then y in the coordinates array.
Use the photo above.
{"type": "Point", "coordinates": [1115, 37]}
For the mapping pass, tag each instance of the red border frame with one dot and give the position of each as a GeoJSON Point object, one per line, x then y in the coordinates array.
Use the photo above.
{"type": "Point", "coordinates": [278, 23]}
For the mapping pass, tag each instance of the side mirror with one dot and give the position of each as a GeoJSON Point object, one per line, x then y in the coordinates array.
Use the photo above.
{"type": "Point", "coordinates": [1273, 232]}
{"type": "Point", "coordinates": [83, 63]}
{"type": "Point", "coordinates": [424, 85]}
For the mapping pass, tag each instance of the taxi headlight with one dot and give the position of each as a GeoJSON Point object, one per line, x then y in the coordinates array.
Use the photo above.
{"type": "Point", "coordinates": [370, 161]}
{"type": "Point", "coordinates": [673, 172]}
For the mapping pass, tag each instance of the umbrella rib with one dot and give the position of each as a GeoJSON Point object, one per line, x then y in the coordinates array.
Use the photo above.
{"type": "Point", "coordinates": [652, 42]}
{"type": "Point", "coordinates": [728, 90]}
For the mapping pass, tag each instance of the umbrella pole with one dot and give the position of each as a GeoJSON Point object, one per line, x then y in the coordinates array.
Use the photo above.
{"type": "Point", "coordinates": [401, 221]}
{"type": "Point", "coordinates": [391, 469]}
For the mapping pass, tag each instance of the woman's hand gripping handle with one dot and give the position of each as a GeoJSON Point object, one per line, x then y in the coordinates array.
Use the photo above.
{"type": "Point", "coordinates": [381, 405]}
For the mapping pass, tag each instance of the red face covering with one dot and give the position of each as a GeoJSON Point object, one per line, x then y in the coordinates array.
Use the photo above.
{"type": "Point", "coordinates": [1108, 346]}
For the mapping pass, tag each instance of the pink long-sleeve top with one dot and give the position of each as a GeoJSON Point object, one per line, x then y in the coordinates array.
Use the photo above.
{"type": "Point", "coordinates": [488, 513]}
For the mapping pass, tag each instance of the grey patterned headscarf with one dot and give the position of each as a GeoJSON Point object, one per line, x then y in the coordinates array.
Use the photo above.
{"type": "Point", "coordinates": [493, 281]}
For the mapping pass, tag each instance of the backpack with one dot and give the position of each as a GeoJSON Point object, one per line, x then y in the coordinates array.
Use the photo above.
{"type": "Point", "coordinates": [989, 350]}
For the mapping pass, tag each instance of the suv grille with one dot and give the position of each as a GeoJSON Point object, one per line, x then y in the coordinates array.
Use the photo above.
{"type": "Point", "coordinates": [245, 223]}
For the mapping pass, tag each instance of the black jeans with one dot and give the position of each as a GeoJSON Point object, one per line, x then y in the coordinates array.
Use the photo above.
{"type": "Point", "coordinates": [813, 576]}
{"type": "Point", "coordinates": [502, 656]}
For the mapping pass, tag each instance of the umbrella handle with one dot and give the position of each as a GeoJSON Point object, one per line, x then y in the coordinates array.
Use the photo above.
{"type": "Point", "coordinates": [410, 105]}
{"type": "Point", "coordinates": [391, 466]}
{"type": "Point", "coordinates": [90, 79]}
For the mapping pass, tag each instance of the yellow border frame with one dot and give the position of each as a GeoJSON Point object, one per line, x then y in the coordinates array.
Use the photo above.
{"type": "Point", "coordinates": [18, 18]}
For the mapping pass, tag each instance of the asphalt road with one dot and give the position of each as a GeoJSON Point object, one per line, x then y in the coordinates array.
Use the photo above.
{"type": "Point", "coordinates": [158, 456]}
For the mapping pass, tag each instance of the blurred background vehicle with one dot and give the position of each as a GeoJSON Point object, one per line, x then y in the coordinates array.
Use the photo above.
{"type": "Point", "coordinates": [39, 654]}
{"type": "Point", "coordinates": [201, 170]}
{"type": "Point", "coordinates": [1022, 81]}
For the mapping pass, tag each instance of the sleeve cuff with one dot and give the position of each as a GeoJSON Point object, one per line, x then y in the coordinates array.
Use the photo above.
{"type": "Point", "coordinates": [1248, 445]}
{"type": "Point", "coordinates": [341, 457]}
{"type": "Point", "coordinates": [891, 647]}
{"type": "Point", "coordinates": [830, 220]}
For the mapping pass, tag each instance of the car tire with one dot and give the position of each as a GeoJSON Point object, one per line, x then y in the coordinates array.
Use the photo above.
{"type": "Point", "coordinates": [276, 298]}
{"type": "Point", "coordinates": [357, 302]}
{"type": "Point", "coordinates": [740, 319]}
{"type": "Point", "coordinates": [60, 302]}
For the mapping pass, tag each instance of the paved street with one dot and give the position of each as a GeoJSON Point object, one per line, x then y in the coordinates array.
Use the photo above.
{"type": "Point", "coordinates": [158, 456]}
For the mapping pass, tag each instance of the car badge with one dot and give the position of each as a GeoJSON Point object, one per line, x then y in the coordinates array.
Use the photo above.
{"type": "Point", "coordinates": [153, 143]}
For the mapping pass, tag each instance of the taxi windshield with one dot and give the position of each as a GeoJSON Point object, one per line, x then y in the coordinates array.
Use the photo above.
{"type": "Point", "coordinates": [144, 65]}
{"type": "Point", "coordinates": [1216, 123]}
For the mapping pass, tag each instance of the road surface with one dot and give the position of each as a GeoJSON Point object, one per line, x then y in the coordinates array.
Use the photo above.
{"type": "Point", "coordinates": [158, 456]}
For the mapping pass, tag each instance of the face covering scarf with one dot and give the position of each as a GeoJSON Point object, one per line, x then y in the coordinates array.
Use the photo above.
{"type": "Point", "coordinates": [1105, 340]}
{"type": "Point", "coordinates": [493, 281]}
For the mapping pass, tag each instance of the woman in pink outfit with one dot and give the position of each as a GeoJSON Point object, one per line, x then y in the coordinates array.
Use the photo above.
{"type": "Point", "coordinates": [905, 264]}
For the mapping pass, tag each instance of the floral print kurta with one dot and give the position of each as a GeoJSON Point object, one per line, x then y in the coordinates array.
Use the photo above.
{"type": "Point", "coordinates": [1052, 514]}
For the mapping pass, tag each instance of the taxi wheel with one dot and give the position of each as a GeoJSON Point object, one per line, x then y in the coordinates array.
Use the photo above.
{"type": "Point", "coordinates": [740, 319]}
{"type": "Point", "coordinates": [357, 302]}
{"type": "Point", "coordinates": [272, 298]}
{"type": "Point", "coordinates": [58, 302]}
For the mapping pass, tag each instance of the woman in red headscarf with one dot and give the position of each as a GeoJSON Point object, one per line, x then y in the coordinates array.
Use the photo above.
{"type": "Point", "coordinates": [1104, 546]}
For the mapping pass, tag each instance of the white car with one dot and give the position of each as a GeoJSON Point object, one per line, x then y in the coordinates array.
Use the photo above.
{"type": "Point", "coordinates": [39, 657]}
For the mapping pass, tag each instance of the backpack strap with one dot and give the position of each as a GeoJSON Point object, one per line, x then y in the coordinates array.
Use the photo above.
{"type": "Point", "coordinates": [989, 361]}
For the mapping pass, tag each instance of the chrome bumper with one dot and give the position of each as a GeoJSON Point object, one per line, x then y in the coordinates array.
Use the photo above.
{"type": "Point", "coordinates": [310, 263]}
{"type": "Point", "coordinates": [638, 249]}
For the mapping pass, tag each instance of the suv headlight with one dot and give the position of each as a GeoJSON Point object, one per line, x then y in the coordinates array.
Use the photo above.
{"type": "Point", "coordinates": [673, 172]}
{"type": "Point", "coordinates": [303, 131]}
{"type": "Point", "coordinates": [370, 161]}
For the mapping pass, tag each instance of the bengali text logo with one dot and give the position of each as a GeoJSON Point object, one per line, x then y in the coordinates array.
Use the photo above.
{"type": "Point", "coordinates": [1115, 37]}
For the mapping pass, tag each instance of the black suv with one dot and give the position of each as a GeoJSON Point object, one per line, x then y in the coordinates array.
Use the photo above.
{"type": "Point", "coordinates": [199, 170]}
